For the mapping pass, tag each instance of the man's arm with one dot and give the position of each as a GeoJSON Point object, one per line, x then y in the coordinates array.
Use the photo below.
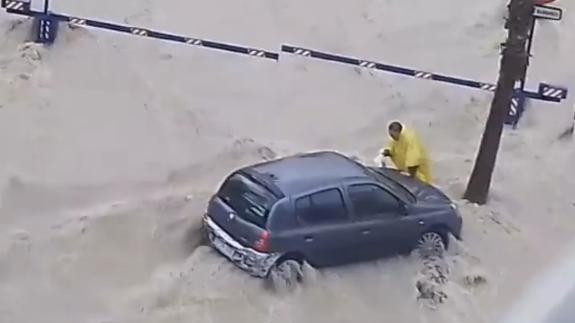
{"type": "Point", "coordinates": [412, 156]}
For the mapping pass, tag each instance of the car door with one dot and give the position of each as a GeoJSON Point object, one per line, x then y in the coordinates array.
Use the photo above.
{"type": "Point", "coordinates": [324, 234]}
{"type": "Point", "coordinates": [382, 224]}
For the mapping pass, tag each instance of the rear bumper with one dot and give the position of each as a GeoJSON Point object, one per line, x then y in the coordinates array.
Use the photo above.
{"type": "Point", "coordinates": [457, 226]}
{"type": "Point", "coordinates": [253, 262]}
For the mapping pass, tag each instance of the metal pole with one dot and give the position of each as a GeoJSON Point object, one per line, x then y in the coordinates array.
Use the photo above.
{"type": "Point", "coordinates": [512, 68]}
{"type": "Point", "coordinates": [46, 6]}
{"type": "Point", "coordinates": [529, 46]}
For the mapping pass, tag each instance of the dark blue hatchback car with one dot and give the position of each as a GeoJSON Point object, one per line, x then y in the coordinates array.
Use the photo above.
{"type": "Point", "coordinates": [325, 209]}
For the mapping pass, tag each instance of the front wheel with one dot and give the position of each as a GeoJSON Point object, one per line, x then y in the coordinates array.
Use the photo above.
{"type": "Point", "coordinates": [431, 244]}
{"type": "Point", "coordinates": [286, 274]}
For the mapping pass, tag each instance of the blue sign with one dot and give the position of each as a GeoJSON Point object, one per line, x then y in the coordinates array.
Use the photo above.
{"type": "Point", "coordinates": [552, 92]}
{"type": "Point", "coordinates": [516, 109]}
{"type": "Point", "coordinates": [46, 30]}
{"type": "Point", "coordinates": [16, 5]}
{"type": "Point", "coordinates": [547, 12]}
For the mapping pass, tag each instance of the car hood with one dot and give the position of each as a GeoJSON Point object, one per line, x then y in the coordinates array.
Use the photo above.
{"type": "Point", "coordinates": [424, 193]}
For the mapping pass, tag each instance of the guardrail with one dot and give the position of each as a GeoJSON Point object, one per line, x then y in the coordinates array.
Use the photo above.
{"type": "Point", "coordinates": [46, 25]}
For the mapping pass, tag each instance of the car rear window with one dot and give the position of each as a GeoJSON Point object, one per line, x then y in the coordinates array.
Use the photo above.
{"type": "Point", "coordinates": [251, 201]}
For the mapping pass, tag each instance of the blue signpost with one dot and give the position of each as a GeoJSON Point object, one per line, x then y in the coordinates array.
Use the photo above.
{"type": "Point", "coordinates": [46, 28]}
{"type": "Point", "coordinates": [551, 93]}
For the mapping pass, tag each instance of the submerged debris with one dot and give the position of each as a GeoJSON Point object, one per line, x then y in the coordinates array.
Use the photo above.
{"type": "Point", "coordinates": [433, 277]}
{"type": "Point", "coordinates": [31, 51]}
{"type": "Point", "coordinates": [474, 279]}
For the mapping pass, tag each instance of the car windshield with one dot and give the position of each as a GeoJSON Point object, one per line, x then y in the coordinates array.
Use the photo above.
{"type": "Point", "coordinates": [392, 185]}
{"type": "Point", "coordinates": [252, 202]}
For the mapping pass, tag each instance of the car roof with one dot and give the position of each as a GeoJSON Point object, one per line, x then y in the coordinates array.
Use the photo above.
{"type": "Point", "coordinates": [308, 171]}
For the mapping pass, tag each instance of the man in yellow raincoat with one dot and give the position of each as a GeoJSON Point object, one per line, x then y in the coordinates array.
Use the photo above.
{"type": "Point", "coordinates": [407, 152]}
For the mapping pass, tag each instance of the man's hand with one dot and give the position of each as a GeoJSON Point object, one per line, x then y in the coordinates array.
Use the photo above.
{"type": "Point", "coordinates": [412, 170]}
{"type": "Point", "coordinates": [386, 153]}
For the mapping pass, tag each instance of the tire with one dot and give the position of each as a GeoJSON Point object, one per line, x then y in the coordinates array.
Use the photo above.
{"type": "Point", "coordinates": [431, 244]}
{"type": "Point", "coordinates": [285, 274]}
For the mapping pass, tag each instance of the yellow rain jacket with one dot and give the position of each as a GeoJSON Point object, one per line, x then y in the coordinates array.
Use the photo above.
{"type": "Point", "coordinates": [409, 152]}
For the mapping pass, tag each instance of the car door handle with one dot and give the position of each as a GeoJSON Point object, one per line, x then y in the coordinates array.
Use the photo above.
{"type": "Point", "coordinates": [421, 222]}
{"type": "Point", "coordinates": [308, 239]}
{"type": "Point", "coordinates": [366, 232]}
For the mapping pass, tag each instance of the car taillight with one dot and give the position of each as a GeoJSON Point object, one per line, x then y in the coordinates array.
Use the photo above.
{"type": "Point", "coordinates": [261, 244]}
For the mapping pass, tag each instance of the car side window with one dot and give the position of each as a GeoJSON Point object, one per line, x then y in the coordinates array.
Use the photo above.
{"type": "Point", "coordinates": [371, 200]}
{"type": "Point", "coordinates": [323, 207]}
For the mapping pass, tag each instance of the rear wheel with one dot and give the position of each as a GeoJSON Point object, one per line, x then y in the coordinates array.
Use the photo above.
{"type": "Point", "coordinates": [286, 274]}
{"type": "Point", "coordinates": [431, 244]}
